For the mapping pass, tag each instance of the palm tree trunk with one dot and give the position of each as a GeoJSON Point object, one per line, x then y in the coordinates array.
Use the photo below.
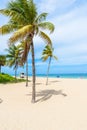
{"type": "Point", "coordinates": [26, 72]}
{"type": "Point", "coordinates": [27, 66]}
{"type": "Point", "coordinates": [48, 70]}
{"type": "Point", "coordinates": [33, 74]}
{"type": "Point", "coordinates": [0, 68]}
{"type": "Point", "coordinates": [16, 67]}
{"type": "Point", "coordinates": [15, 73]}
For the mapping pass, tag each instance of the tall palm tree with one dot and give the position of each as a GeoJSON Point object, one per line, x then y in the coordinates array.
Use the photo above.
{"type": "Point", "coordinates": [2, 61]}
{"type": "Point", "coordinates": [13, 57]}
{"type": "Point", "coordinates": [25, 23]}
{"type": "Point", "coordinates": [48, 54]}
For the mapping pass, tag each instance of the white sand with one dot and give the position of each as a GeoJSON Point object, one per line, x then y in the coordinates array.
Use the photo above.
{"type": "Point", "coordinates": [62, 105]}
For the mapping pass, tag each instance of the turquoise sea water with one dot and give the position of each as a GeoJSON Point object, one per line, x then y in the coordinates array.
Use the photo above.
{"type": "Point", "coordinates": [63, 75]}
{"type": "Point", "coordinates": [79, 71]}
{"type": "Point", "coordinates": [58, 75]}
{"type": "Point", "coordinates": [79, 75]}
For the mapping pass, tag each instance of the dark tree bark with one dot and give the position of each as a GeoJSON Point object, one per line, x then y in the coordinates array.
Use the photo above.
{"type": "Point", "coordinates": [26, 72]}
{"type": "Point", "coordinates": [33, 74]}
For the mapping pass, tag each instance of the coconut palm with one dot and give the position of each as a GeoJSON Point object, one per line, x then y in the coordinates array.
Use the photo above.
{"type": "Point", "coordinates": [25, 22]}
{"type": "Point", "coordinates": [13, 57]}
{"type": "Point", "coordinates": [48, 54]}
{"type": "Point", "coordinates": [2, 61]}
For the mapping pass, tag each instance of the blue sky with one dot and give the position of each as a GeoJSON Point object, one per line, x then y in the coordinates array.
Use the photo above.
{"type": "Point", "coordinates": [69, 38]}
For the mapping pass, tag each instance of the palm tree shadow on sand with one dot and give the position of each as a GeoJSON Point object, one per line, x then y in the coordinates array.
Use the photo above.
{"type": "Point", "coordinates": [47, 94]}
{"type": "Point", "coordinates": [54, 81]}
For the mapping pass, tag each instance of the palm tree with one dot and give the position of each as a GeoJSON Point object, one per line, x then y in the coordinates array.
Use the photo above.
{"type": "Point", "coordinates": [48, 54]}
{"type": "Point", "coordinates": [2, 61]}
{"type": "Point", "coordinates": [25, 22]}
{"type": "Point", "coordinates": [13, 57]}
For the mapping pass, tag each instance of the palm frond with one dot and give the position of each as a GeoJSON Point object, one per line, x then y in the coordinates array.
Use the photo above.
{"type": "Point", "coordinates": [45, 37]}
{"type": "Point", "coordinates": [41, 17]}
{"type": "Point", "coordinates": [10, 62]}
{"type": "Point", "coordinates": [32, 11]}
{"type": "Point", "coordinates": [5, 29]}
{"type": "Point", "coordinates": [26, 48]}
{"type": "Point", "coordinates": [47, 25]}
{"type": "Point", "coordinates": [5, 12]}
{"type": "Point", "coordinates": [36, 31]}
{"type": "Point", "coordinates": [21, 33]}
{"type": "Point", "coordinates": [21, 11]}
{"type": "Point", "coordinates": [17, 11]}
{"type": "Point", "coordinates": [44, 58]}
{"type": "Point", "coordinates": [2, 60]}
{"type": "Point", "coordinates": [13, 15]}
{"type": "Point", "coordinates": [55, 57]}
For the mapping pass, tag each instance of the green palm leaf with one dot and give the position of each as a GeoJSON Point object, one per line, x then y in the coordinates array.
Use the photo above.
{"type": "Point", "coordinates": [48, 52]}
{"type": "Point", "coordinates": [5, 12]}
{"type": "Point", "coordinates": [5, 29]}
{"type": "Point", "coordinates": [45, 37]}
{"type": "Point", "coordinates": [55, 57]}
{"type": "Point", "coordinates": [47, 25]}
{"type": "Point", "coordinates": [44, 58]}
{"type": "Point", "coordinates": [26, 48]}
{"type": "Point", "coordinates": [41, 17]}
{"type": "Point", "coordinates": [21, 33]}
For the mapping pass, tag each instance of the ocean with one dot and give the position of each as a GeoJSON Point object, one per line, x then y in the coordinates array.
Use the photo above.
{"type": "Point", "coordinates": [59, 75]}
{"type": "Point", "coordinates": [74, 75]}
{"type": "Point", "coordinates": [69, 73]}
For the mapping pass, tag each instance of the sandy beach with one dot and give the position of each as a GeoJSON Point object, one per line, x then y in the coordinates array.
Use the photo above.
{"type": "Point", "coordinates": [61, 105]}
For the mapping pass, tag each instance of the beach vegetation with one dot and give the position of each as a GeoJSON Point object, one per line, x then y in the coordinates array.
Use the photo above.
{"type": "Point", "coordinates": [2, 61]}
{"type": "Point", "coordinates": [5, 78]}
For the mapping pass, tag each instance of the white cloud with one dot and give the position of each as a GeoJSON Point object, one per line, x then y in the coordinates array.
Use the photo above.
{"type": "Point", "coordinates": [52, 5]}
{"type": "Point", "coordinates": [70, 36]}
{"type": "Point", "coordinates": [73, 30]}
{"type": "Point", "coordinates": [70, 26]}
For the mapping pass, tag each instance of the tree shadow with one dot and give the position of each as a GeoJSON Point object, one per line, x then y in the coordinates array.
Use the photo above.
{"type": "Point", "coordinates": [54, 81]}
{"type": "Point", "coordinates": [1, 100]}
{"type": "Point", "coordinates": [47, 94]}
{"type": "Point", "coordinates": [38, 83]}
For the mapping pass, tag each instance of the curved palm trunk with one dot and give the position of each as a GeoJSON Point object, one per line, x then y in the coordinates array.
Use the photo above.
{"type": "Point", "coordinates": [26, 72]}
{"type": "Point", "coordinates": [48, 70]}
{"type": "Point", "coordinates": [33, 74]}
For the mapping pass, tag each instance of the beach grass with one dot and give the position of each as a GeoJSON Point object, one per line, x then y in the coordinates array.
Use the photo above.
{"type": "Point", "coordinates": [5, 78]}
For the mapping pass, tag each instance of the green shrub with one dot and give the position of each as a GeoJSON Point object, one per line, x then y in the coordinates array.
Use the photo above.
{"type": "Point", "coordinates": [5, 78]}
